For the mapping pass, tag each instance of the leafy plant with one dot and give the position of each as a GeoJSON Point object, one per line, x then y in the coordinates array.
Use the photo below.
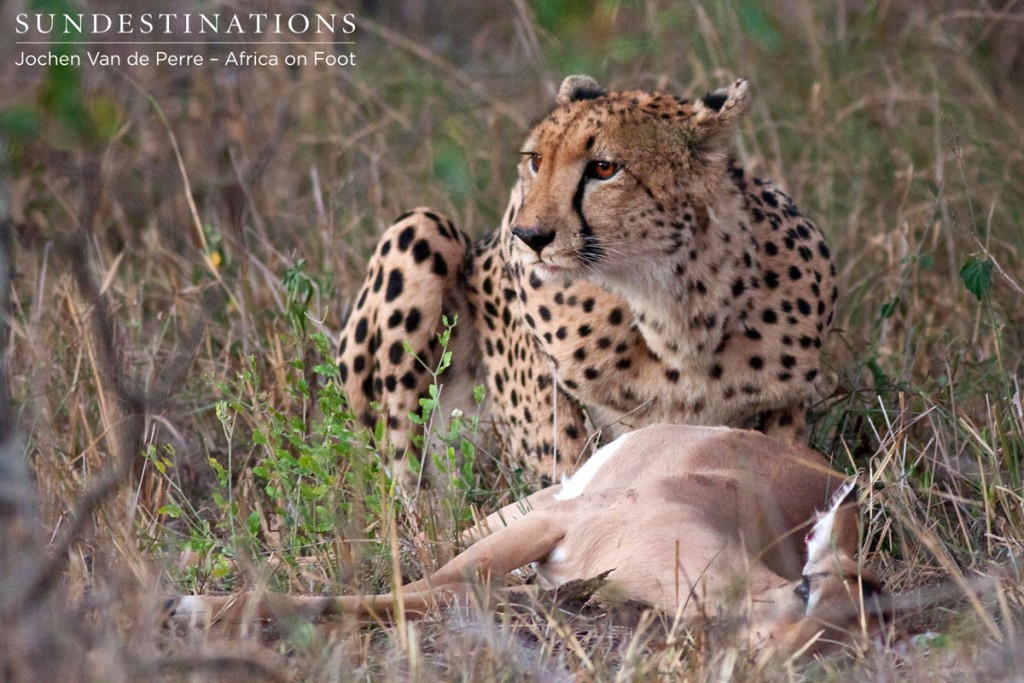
{"type": "Point", "coordinates": [976, 274]}
{"type": "Point", "coordinates": [309, 459]}
{"type": "Point", "coordinates": [452, 451]}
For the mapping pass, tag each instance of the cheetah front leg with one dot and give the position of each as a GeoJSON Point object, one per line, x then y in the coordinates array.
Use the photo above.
{"type": "Point", "coordinates": [416, 276]}
{"type": "Point", "coordinates": [542, 426]}
{"type": "Point", "coordinates": [787, 424]}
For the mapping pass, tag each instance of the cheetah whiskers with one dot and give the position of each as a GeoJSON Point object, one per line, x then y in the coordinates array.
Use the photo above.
{"type": "Point", "coordinates": [608, 246]}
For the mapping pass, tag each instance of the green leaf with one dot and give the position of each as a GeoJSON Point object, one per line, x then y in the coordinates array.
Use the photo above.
{"type": "Point", "coordinates": [253, 523]}
{"type": "Point", "coordinates": [326, 370]}
{"type": "Point", "coordinates": [878, 375]}
{"type": "Point", "coordinates": [171, 510]}
{"type": "Point", "coordinates": [889, 307]}
{"type": "Point", "coordinates": [932, 640]}
{"type": "Point", "coordinates": [977, 276]}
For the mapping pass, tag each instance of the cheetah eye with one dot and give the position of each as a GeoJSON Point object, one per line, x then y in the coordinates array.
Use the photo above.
{"type": "Point", "coordinates": [602, 170]}
{"type": "Point", "coordinates": [535, 160]}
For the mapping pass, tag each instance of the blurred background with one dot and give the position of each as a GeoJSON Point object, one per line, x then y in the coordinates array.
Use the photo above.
{"type": "Point", "coordinates": [223, 215]}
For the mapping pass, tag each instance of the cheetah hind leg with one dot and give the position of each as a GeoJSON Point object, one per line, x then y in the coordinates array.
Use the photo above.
{"type": "Point", "coordinates": [415, 276]}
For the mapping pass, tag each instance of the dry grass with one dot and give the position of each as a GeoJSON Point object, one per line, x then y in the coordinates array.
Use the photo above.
{"type": "Point", "coordinates": [172, 203]}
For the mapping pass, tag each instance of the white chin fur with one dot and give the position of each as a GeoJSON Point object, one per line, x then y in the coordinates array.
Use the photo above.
{"type": "Point", "coordinates": [189, 606]}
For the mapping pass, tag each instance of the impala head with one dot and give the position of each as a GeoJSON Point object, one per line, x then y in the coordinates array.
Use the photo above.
{"type": "Point", "coordinates": [602, 163]}
{"type": "Point", "coordinates": [836, 598]}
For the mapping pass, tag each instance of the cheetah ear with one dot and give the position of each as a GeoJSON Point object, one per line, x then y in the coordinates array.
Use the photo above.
{"type": "Point", "coordinates": [718, 111]}
{"type": "Point", "coordinates": [579, 87]}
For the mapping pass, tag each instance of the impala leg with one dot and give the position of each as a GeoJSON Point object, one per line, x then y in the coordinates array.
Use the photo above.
{"type": "Point", "coordinates": [530, 539]}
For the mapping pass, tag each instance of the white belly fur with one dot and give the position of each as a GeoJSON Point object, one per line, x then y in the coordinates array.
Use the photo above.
{"type": "Point", "coordinates": [575, 485]}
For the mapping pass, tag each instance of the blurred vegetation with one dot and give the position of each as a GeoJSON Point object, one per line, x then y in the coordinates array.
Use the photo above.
{"type": "Point", "coordinates": [249, 198]}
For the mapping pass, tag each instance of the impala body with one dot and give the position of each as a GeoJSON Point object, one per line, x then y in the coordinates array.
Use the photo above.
{"type": "Point", "coordinates": [698, 522]}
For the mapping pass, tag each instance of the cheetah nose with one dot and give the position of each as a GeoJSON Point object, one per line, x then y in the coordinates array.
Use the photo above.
{"type": "Point", "coordinates": [534, 238]}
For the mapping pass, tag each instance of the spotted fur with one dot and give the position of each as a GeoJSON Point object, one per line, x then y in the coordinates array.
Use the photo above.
{"type": "Point", "coordinates": [639, 276]}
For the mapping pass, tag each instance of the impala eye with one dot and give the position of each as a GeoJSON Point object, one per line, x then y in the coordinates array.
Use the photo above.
{"type": "Point", "coordinates": [602, 170]}
{"type": "Point", "coordinates": [803, 591]}
{"type": "Point", "coordinates": [535, 160]}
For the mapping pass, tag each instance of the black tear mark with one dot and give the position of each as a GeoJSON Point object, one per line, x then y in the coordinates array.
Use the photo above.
{"type": "Point", "coordinates": [591, 251]}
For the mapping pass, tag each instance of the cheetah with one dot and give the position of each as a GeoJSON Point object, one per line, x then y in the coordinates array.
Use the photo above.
{"type": "Point", "coordinates": [639, 275]}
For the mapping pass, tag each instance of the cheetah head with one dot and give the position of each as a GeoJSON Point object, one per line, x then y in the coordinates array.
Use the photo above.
{"type": "Point", "coordinates": [613, 183]}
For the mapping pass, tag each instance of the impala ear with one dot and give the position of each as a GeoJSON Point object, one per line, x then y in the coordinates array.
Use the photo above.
{"type": "Point", "coordinates": [836, 527]}
{"type": "Point", "coordinates": [579, 87]}
{"type": "Point", "coordinates": [844, 495]}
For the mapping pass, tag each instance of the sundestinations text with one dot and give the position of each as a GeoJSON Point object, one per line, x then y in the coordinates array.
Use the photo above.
{"type": "Point", "coordinates": [183, 23]}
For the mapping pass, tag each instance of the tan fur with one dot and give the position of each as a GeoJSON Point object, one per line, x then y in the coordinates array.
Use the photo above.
{"type": "Point", "coordinates": [695, 521]}
{"type": "Point", "coordinates": [678, 290]}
